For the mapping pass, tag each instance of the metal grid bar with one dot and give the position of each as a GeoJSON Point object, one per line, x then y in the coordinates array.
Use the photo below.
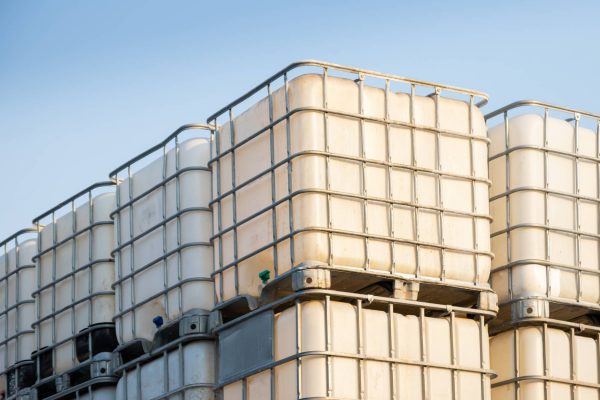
{"type": "Point", "coordinates": [129, 205]}
{"type": "Point", "coordinates": [231, 194]}
{"type": "Point", "coordinates": [575, 195]}
{"type": "Point", "coordinates": [72, 240]}
{"type": "Point", "coordinates": [360, 356]}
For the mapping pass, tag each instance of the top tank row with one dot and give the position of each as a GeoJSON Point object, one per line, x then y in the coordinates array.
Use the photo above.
{"type": "Point", "coordinates": [319, 173]}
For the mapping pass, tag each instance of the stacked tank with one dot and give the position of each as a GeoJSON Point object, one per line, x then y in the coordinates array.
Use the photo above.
{"type": "Point", "coordinates": [17, 313]}
{"type": "Point", "coordinates": [351, 238]}
{"type": "Point", "coordinates": [163, 265]}
{"type": "Point", "coordinates": [544, 167]}
{"type": "Point", "coordinates": [74, 331]}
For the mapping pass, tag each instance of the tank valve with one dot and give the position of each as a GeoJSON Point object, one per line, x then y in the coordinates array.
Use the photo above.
{"type": "Point", "coordinates": [264, 275]}
{"type": "Point", "coordinates": [158, 321]}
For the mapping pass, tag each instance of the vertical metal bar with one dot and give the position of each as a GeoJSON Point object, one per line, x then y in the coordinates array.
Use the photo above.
{"type": "Point", "coordinates": [453, 356]}
{"type": "Point", "coordinates": [473, 172]}
{"type": "Point", "coordinates": [390, 194]}
{"type": "Point", "coordinates": [507, 203]}
{"type": "Point", "coordinates": [328, 358]}
{"type": "Point", "coordinates": [38, 302]}
{"type": "Point", "coordinates": [288, 138]}
{"type": "Point", "coordinates": [118, 260]}
{"type": "Point", "coordinates": [327, 165]}
{"type": "Point", "coordinates": [54, 241]}
{"type": "Point", "coordinates": [182, 368]}
{"type": "Point", "coordinates": [392, 353]}
{"type": "Point", "coordinates": [234, 202]}
{"type": "Point", "coordinates": [72, 279]}
{"type": "Point", "coordinates": [217, 142]}
{"type": "Point", "coordinates": [90, 272]}
{"type": "Point", "coordinates": [131, 253]}
{"type": "Point", "coordinates": [6, 284]}
{"type": "Point", "coordinates": [546, 215]}
{"type": "Point", "coordinates": [546, 361]}
{"type": "Point", "coordinates": [415, 174]}
{"type": "Point", "coordinates": [573, 362]}
{"type": "Point", "coordinates": [138, 381]}
{"type": "Point", "coordinates": [163, 194]}
{"type": "Point", "coordinates": [363, 167]}
{"type": "Point", "coordinates": [438, 178]}
{"type": "Point", "coordinates": [576, 211]}
{"type": "Point", "coordinates": [178, 225]}
{"type": "Point", "coordinates": [298, 309]}
{"type": "Point", "coordinates": [165, 377]}
{"type": "Point", "coordinates": [273, 182]}
{"type": "Point", "coordinates": [483, 364]}
{"type": "Point", "coordinates": [517, 360]}
{"type": "Point", "coordinates": [361, 350]}
{"type": "Point", "coordinates": [424, 356]}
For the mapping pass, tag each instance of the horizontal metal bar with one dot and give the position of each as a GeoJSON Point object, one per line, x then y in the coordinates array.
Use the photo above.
{"type": "Point", "coordinates": [580, 329]}
{"type": "Point", "coordinates": [383, 200]}
{"type": "Point", "coordinates": [71, 273]}
{"type": "Point", "coordinates": [527, 103]}
{"type": "Point", "coordinates": [387, 121]}
{"type": "Point", "coordinates": [155, 187]}
{"type": "Point", "coordinates": [545, 378]}
{"type": "Point", "coordinates": [17, 365]}
{"type": "Point", "coordinates": [162, 223]}
{"type": "Point", "coordinates": [16, 271]}
{"type": "Point", "coordinates": [158, 259]}
{"type": "Point", "coordinates": [163, 292]}
{"type": "Point", "coordinates": [544, 190]}
{"type": "Point", "coordinates": [73, 305]}
{"type": "Point", "coordinates": [15, 305]}
{"type": "Point", "coordinates": [545, 227]}
{"type": "Point", "coordinates": [158, 146]}
{"type": "Point", "coordinates": [183, 389]}
{"type": "Point", "coordinates": [352, 234]}
{"type": "Point", "coordinates": [73, 198]}
{"type": "Point", "coordinates": [13, 337]}
{"type": "Point", "coordinates": [322, 64]}
{"type": "Point", "coordinates": [70, 238]}
{"type": "Point", "coordinates": [547, 264]}
{"type": "Point", "coordinates": [17, 234]}
{"type": "Point", "coordinates": [577, 156]}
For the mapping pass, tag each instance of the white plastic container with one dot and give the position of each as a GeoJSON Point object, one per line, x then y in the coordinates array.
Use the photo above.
{"type": "Point", "coordinates": [184, 371]}
{"type": "Point", "coordinates": [75, 272]}
{"type": "Point", "coordinates": [352, 177]}
{"type": "Point", "coordinates": [544, 202]}
{"type": "Point", "coordinates": [162, 229]}
{"type": "Point", "coordinates": [544, 362]}
{"type": "Point", "coordinates": [17, 308]}
{"type": "Point", "coordinates": [337, 350]}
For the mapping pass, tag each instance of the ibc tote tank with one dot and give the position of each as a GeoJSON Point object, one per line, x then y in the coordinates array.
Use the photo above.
{"type": "Point", "coordinates": [162, 228]}
{"type": "Point", "coordinates": [17, 312]}
{"type": "Point", "coordinates": [350, 171]}
{"type": "Point", "coordinates": [544, 163]}
{"type": "Point", "coordinates": [74, 299]}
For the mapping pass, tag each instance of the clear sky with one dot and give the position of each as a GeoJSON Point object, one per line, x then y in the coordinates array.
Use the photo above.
{"type": "Point", "coordinates": [86, 85]}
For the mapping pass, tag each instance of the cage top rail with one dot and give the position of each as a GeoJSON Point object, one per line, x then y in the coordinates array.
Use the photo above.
{"type": "Point", "coordinates": [17, 234]}
{"type": "Point", "coordinates": [338, 67]}
{"type": "Point", "coordinates": [77, 195]}
{"type": "Point", "coordinates": [158, 146]}
{"type": "Point", "coordinates": [536, 103]}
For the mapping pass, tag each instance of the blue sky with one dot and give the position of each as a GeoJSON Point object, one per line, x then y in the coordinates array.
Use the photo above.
{"type": "Point", "coordinates": [86, 85]}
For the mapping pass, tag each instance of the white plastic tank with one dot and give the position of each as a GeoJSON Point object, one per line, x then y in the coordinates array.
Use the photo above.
{"type": "Point", "coordinates": [162, 229]}
{"type": "Point", "coordinates": [17, 307]}
{"type": "Point", "coordinates": [75, 272]}
{"type": "Point", "coordinates": [546, 362]}
{"type": "Point", "coordinates": [544, 198]}
{"type": "Point", "coordinates": [354, 172]}
{"type": "Point", "coordinates": [337, 350]}
{"type": "Point", "coordinates": [185, 371]}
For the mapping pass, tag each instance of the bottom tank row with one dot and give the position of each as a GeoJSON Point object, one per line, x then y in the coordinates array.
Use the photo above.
{"type": "Point", "coordinates": [326, 345]}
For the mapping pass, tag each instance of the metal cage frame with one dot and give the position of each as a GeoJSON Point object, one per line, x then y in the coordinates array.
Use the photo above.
{"type": "Point", "coordinates": [44, 382]}
{"type": "Point", "coordinates": [574, 116]}
{"type": "Point", "coordinates": [122, 276]}
{"type": "Point", "coordinates": [360, 75]}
